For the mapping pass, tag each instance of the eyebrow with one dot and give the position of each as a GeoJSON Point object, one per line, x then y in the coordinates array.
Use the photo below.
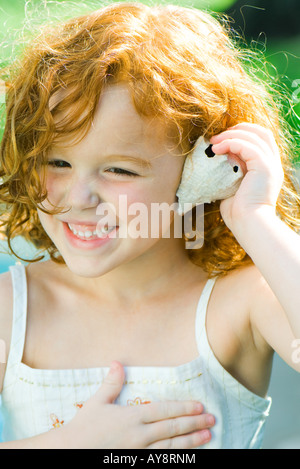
{"type": "Point", "coordinates": [143, 163]}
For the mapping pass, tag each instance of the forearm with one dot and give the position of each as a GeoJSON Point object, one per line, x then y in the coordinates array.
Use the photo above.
{"type": "Point", "coordinates": [275, 250]}
{"type": "Point", "coordinates": [54, 439]}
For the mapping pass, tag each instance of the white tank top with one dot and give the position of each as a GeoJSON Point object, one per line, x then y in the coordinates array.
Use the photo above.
{"type": "Point", "coordinates": [35, 400]}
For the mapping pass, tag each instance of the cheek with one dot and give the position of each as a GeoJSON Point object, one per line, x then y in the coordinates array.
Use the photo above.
{"type": "Point", "coordinates": [147, 195]}
{"type": "Point", "coordinates": [54, 190]}
{"type": "Point", "coordinates": [54, 196]}
{"type": "Point", "coordinates": [45, 220]}
{"type": "Point", "coordinates": [147, 212]}
{"type": "Point", "coordinates": [130, 194]}
{"type": "Point", "coordinates": [157, 190]}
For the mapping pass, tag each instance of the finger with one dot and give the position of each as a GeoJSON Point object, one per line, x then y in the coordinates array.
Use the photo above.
{"type": "Point", "coordinates": [112, 384]}
{"type": "Point", "coordinates": [245, 135]}
{"type": "Point", "coordinates": [192, 440]}
{"type": "Point", "coordinates": [174, 427]}
{"type": "Point", "coordinates": [170, 409]}
{"type": "Point", "coordinates": [251, 154]}
{"type": "Point", "coordinates": [263, 132]}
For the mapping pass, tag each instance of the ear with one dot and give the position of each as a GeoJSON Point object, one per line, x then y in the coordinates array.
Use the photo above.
{"type": "Point", "coordinates": [206, 177]}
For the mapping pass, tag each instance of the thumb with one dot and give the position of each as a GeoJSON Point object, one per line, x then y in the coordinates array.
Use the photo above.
{"type": "Point", "coordinates": [112, 384]}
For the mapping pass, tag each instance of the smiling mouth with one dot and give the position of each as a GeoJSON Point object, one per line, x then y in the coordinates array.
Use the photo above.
{"type": "Point", "coordinates": [85, 233]}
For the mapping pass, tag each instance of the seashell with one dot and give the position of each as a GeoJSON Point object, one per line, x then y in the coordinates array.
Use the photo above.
{"type": "Point", "coordinates": [207, 177]}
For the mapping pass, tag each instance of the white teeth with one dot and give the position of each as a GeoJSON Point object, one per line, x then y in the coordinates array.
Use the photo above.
{"type": "Point", "coordinates": [89, 234]}
{"type": "Point", "coordinates": [73, 229]}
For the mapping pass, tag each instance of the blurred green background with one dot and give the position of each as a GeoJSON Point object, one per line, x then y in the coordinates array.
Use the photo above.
{"type": "Point", "coordinates": [272, 28]}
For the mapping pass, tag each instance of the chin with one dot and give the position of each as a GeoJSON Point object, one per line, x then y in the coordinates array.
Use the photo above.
{"type": "Point", "coordinates": [87, 269]}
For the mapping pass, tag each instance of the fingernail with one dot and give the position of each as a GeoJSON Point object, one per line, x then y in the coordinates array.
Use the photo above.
{"type": "Point", "coordinates": [210, 420]}
{"type": "Point", "coordinates": [199, 407]}
{"type": "Point", "coordinates": [205, 435]}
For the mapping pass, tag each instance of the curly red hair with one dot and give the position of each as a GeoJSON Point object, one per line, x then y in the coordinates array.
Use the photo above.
{"type": "Point", "coordinates": [181, 65]}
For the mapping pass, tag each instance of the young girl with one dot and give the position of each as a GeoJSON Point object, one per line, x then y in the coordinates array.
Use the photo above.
{"type": "Point", "coordinates": [124, 341]}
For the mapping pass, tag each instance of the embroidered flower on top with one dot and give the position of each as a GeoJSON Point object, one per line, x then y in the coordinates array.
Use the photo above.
{"type": "Point", "coordinates": [137, 401]}
{"type": "Point", "coordinates": [56, 423]}
{"type": "Point", "coordinates": [79, 405]}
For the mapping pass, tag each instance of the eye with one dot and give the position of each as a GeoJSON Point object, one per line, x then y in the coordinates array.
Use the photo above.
{"type": "Point", "coordinates": [59, 164]}
{"type": "Point", "coordinates": [121, 172]}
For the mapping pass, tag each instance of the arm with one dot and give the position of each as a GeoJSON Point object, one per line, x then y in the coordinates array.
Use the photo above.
{"type": "Point", "coordinates": [50, 440]}
{"type": "Point", "coordinates": [275, 250]}
{"type": "Point", "coordinates": [271, 244]}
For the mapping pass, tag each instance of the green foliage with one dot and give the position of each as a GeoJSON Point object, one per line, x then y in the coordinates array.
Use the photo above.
{"type": "Point", "coordinates": [284, 54]}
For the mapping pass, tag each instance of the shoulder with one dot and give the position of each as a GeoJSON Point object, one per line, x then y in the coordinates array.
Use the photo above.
{"type": "Point", "coordinates": [258, 295]}
{"type": "Point", "coordinates": [247, 283]}
{"type": "Point", "coordinates": [230, 307]}
{"type": "Point", "coordinates": [243, 294]}
{"type": "Point", "coordinates": [242, 352]}
{"type": "Point", "coordinates": [36, 279]}
{"type": "Point", "coordinates": [241, 285]}
{"type": "Point", "coordinates": [268, 321]}
{"type": "Point", "coordinates": [6, 314]}
{"type": "Point", "coordinates": [250, 285]}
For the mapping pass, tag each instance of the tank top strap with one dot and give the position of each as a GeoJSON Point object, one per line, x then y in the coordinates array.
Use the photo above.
{"type": "Point", "coordinates": [19, 283]}
{"type": "Point", "coordinates": [200, 326]}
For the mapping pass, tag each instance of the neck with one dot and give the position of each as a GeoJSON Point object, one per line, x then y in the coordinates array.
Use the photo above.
{"type": "Point", "coordinates": [158, 273]}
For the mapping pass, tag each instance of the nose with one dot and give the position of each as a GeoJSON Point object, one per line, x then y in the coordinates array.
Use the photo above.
{"type": "Point", "coordinates": [82, 193]}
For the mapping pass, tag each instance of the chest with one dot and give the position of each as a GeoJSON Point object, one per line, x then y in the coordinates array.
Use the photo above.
{"type": "Point", "coordinates": [91, 334]}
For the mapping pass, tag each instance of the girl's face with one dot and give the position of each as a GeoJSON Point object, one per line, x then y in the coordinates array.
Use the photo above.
{"type": "Point", "coordinates": [123, 155]}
